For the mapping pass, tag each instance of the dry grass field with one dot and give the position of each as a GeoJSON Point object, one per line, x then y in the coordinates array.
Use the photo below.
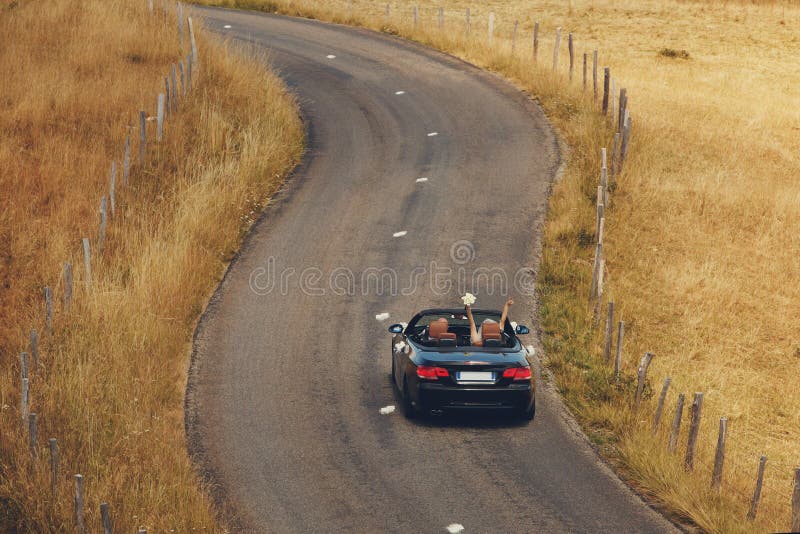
{"type": "Point", "coordinates": [702, 237]}
{"type": "Point", "coordinates": [111, 379]}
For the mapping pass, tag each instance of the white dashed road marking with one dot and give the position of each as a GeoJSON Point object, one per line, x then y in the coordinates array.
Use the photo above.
{"type": "Point", "coordinates": [433, 134]}
{"type": "Point", "coordinates": [227, 26]}
{"type": "Point", "coordinates": [382, 316]}
{"type": "Point", "coordinates": [423, 179]}
{"type": "Point", "coordinates": [530, 349]}
{"type": "Point", "coordinates": [400, 93]}
{"type": "Point", "coordinates": [455, 528]}
{"type": "Point", "coordinates": [330, 56]}
{"type": "Point", "coordinates": [386, 410]}
{"type": "Point", "coordinates": [399, 234]}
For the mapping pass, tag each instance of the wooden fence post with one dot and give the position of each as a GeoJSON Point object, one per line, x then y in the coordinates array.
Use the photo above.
{"type": "Point", "coordinates": [598, 254]}
{"type": "Point", "coordinates": [676, 424]}
{"type": "Point", "coordinates": [719, 456]}
{"type": "Point", "coordinates": [112, 188]}
{"type": "Point", "coordinates": [514, 38]}
{"type": "Point", "coordinates": [150, 6]}
{"type": "Point", "coordinates": [660, 408]}
{"type": "Point", "coordinates": [35, 347]}
{"type": "Point", "coordinates": [441, 18]}
{"type": "Point", "coordinates": [556, 46]}
{"type": "Point", "coordinates": [601, 230]}
{"type": "Point", "coordinates": [386, 13]}
{"type": "Point", "coordinates": [101, 239]}
{"type": "Point", "coordinates": [618, 356]}
{"type": "Point", "coordinates": [623, 104]}
{"type": "Point", "coordinates": [67, 286]}
{"type": "Point", "coordinates": [585, 70]}
{"type": "Point", "coordinates": [611, 104]}
{"type": "Point", "coordinates": [142, 136]}
{"type": "Point", "coordinates": [33, 435]}
{"type": "Point", "coordinates": [24, 398]}
{"type": "Point", "coordinates": [491, 27]}
{"type": "Point", "coordinates": [606, 88]}
{"type": "Point", "coordinates": [751, 514]}
{"type": "Point", "coordinates": [416, 16]}
{"type": "Point", "coordinates": [80, 525]}
{"type": "Point", "coordinates": [183, 79]}
{"type": "Point", "coordinates": [106, 517]}
{"type": "Point", "coordinates": [174, 86]}
{"type": "Point", "coordinates": [126, 160]}
{"type": "Point", "coordinates": [23, 364]}
{"type": "Point", "coordinates": [168, 94]}
{"type": "Point", "coordinates": [53, 466]}
{"type": "Point", "coordinates": [694, 430]}
{"type": "Point", "coordinates": [87, 263]}
{"type": "Point", "coordinates": [601, 209]}
{"type": "Point", "coordinates": [195, 62]}
{"type": "Point", "coordinates": [48, 309]}
{"type": "Point", "coordinates": [571, 45]}
{"type": "Point", "coordinates": [796, 501]}
{"type": "Point", "coordinates": [160, 118]}
{"type": "Point", "coordinates": [466, 33]}
{"type": "Point", "coordinates": [609, 332]}
{"type": "Point", "coordinates": [641, 377]}
{"type": "Point", "coordinates": [601, 271]}
{"type": "Point", "coordinates": [594, 73]}
{"type": "Point", "coordinates": [614, 148]}
{"type": "Point", "coordinates": [604, 175]}
{"type": "Point", "coordinates": [626, 134]}
{"type": "Point", "coordinates": [180, 22]}
{"type": "Point", "coordinates": [535, 42]}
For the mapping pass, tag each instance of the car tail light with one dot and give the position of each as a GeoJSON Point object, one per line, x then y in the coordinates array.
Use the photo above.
{"type": "Point", "coordinates": [518, 373]}
{"type": "Point", "coordinates": [428, 372]}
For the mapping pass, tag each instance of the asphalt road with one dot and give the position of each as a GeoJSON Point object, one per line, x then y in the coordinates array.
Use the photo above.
{"type": "Point", "coordinates": [291, 366]}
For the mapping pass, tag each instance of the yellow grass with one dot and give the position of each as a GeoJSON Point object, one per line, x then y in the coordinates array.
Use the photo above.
{"type": "Point", "coordinates": [111, 382]}
{"type": "Point", "coordinates": [702, 237]}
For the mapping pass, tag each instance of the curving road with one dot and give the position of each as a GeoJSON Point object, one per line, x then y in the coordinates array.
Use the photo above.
{"type": "Point", "coordinates": [291, 366]}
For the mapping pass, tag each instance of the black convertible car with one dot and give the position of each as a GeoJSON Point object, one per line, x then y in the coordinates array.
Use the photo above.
{"type": "Point", "coordinates": [435, 366]}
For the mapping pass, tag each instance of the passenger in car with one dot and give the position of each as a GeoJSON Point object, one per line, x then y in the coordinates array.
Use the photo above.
{"type": "Point", "coordinates": [489, 329]}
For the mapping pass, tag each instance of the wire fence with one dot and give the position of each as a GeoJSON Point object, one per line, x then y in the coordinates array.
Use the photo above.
{"type": "Point", "coordinates": [178, 83]}
{"type": "Point", "coordinates": [505, 37]}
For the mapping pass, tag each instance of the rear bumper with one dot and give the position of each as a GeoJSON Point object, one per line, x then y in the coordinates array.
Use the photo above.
{"type": "Point", "coordinates": [435, 396]}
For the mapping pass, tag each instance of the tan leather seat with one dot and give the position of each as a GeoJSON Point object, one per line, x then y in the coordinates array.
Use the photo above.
{"type": "Point", "coordinates": [491, 331]}
{"type": "Point", "coordinates": [438, 330]}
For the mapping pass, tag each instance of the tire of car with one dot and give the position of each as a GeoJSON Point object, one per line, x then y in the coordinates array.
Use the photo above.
{"type": "Point", "coordinates": [528, 413]}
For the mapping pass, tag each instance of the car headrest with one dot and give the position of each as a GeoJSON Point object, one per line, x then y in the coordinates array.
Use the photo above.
{"type": "Point", "coordinates": [447, 341]}
{"type": "Point", "coordinates": [491, 342]}
{"type": "Point", "coordinates": [490, 330]}
{"type": "Point", "coordinates": [437, 328]}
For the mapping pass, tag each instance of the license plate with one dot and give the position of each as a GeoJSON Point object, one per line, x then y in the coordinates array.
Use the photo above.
{"type": "Point", "coordinates": [475, 376]}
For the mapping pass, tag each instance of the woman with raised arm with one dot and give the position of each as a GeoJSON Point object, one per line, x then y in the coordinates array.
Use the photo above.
{"type": "Point", "coordinates": [475, 335]}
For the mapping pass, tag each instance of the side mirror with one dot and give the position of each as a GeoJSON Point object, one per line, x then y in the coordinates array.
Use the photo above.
{"type": "Point", "coordinates": [521, 330]}
{"type": "Point", "coordinates": [396, 329]}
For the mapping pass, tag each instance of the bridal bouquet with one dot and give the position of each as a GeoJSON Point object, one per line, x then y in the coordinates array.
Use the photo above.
{"type": "Point", "coordinates": [468, 299]}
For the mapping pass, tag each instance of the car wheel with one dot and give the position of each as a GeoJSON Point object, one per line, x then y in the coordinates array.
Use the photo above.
{"type": "Point", "coordinates": [528, 413]}
{"type": "Point", "coordinates": [408, 407]}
